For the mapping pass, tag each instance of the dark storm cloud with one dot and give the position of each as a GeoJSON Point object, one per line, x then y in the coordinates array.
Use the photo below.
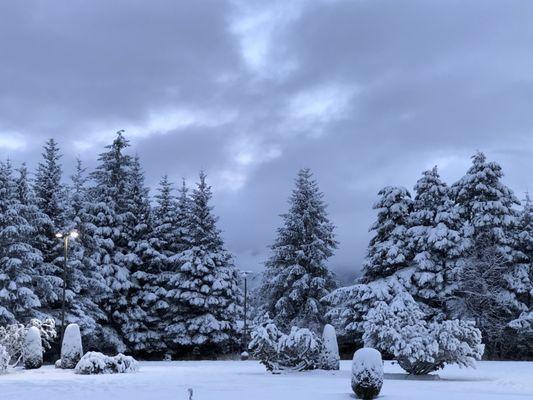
{"type": "Point", "coordinates": [366, 93]}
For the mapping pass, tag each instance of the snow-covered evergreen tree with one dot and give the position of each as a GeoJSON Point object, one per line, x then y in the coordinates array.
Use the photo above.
{"type": "Point", "coordinates": [296, 275]}
{"type": "Point", "coordinates": [204, 296]}
{"type": "Point", "coordinates": [400, 328]}
{"type": "Point", "coordinates": [488, 209]}
{"type": "Point", "coordinates": [389, 250]}
{"type": "Point", "coordinates": [85, 283]}
{"type": "Point", "coordinates": [47, 279]}
{"type": "Point", "coordinates": [436, 241]}
{"type": "Point", "coordinates": [18, 258]}
{"type": "Point", "coordinates": [107, 214]}
{"type": "Point", "coordinates": [140, 328]}
{"type": "Point", "coordinates": [49, 196]}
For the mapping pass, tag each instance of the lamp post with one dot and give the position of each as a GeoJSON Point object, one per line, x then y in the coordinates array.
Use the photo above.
{"type": "Point", "coordinates": [65, 237]}
{"type": "Point", "coordinates": [245, 325]}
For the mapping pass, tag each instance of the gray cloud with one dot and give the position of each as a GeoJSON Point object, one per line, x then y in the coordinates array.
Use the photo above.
{"type": "Point", "coordinates": [366, 93]}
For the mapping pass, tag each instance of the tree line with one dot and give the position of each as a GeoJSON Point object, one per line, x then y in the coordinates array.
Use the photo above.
{"type": "Point", "coordinates": [143, 278]}
{"type": "Point", "coordinates": [150, 275]}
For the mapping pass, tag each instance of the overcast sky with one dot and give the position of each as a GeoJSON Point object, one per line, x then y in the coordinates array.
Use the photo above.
{"type": "Point", "coordinates": [365, 93]}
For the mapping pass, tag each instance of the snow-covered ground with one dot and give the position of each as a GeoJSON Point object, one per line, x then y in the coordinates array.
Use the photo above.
{"type": "Point", "coordinates": [235, 380]}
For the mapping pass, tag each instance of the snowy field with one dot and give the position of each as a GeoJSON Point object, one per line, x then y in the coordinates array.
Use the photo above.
{"type": "Point", "coordinates": [235, 380]}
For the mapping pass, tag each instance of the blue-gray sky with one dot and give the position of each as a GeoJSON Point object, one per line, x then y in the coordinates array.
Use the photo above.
{"type": "Point", "coordinates": [365, 93]}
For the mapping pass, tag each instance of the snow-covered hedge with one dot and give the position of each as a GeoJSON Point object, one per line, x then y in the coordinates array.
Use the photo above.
{"type": "Point", "coordinates": [300, 350]}
{"type": "Point", "coordinates": [71, 348]}
{"type": "Point", "coordinates": [4, 359]}
{"type": "Point", "coordinates": [12, 337]}
{"type": "Point", "coordinates": [94, 363]}
{"type": "Point", "coordinates": [330, 352]}
{"type": "Point", "coordinates": [32, 352]}
{"type": "Point", "coordinates": [367, 373]}
{"type": "Point", "coordinates": [420, 347]}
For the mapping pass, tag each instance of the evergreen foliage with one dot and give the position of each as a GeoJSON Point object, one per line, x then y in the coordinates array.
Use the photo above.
{"type": "Point", "coordinates": [296, 275]}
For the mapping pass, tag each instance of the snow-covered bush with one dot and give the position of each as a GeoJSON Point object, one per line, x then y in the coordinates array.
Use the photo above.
{"type": "Point", "coordinates": [420, 347]}
{"type": "Point", "coordinates": [47, 327]}
{"type": "Point", "coordinates": [330, 352]}
{"type": "Point", "coordinates": [71, 348]}
{"type": "Point", "coordinates": [367, 373]}
{"type": "Point", "coordinates": [94, 363]}
{"type": "Point", "coordinates": [4, 359]}
{"type": "Point", "coordinates": [264, 344]}
{"type": "Point", "coordinates": [12, 339]}
{"type": "Point", "coordinates": [300, 350]}
{"type": "Point", "coordinates": [32, 352]}
{"type": "Point", "coordinates": [123, 364]}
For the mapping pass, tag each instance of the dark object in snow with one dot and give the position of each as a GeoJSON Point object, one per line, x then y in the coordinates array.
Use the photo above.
{"type": "Point", "coordinates": [367, 373]}
{"type": "Point", "coordinates": [245, 356]}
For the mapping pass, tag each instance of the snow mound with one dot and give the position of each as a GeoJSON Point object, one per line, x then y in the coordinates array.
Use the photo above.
{"type": "Point", "coordinates": [94, 363]}
{"type": "Point", "coordinates": [367, 373]}
{"type": "Point", "coordinates": [32, 352]}
{"type": "Point", "coordinates": [330, 353]}
{"type": "Point", "coordinates": [71, 348]}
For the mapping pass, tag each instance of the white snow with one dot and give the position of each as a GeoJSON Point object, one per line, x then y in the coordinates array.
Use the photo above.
{"type": "Point", "coordinates": [367, 358]}
{"type": "Point", "coordinates": [233, 380]}
{"type": "Point", "coordinates": [71, 348]}
{"type": "Point", "coordinates": [32, 352]}
{"type": "Point", "coordinates": [331, 348]}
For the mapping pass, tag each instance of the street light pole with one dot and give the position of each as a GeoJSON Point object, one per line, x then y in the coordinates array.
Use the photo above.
{"type": "Point", "coordinates": [65, 238]}
{"type": "Point", "coordinates": [245, 324]}
{"type": "Point", "coordinates": [65, 266]}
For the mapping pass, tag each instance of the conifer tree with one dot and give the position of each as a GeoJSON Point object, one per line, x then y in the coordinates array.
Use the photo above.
{"type": "Point", "coordinates": [140, 327]}
{"type": "Point", "coordinates": [85, 284]}
{"type": "Point", "coordinates": [204, 296]}
{"type": "Point", "coordinates": [297, 276]}
{"type": "Point", "coordinates": [50, 200]}
{"type": "Point", "coordinates": [389, 251]}
{"type": "Point", "coordinates": [18, 259]}
{"type": "Point", "coordinates": [107, 214]}
{"type": "Point", "coordinates": [435, 240]}
{"type": "Point", "coordinates": [493, 274]}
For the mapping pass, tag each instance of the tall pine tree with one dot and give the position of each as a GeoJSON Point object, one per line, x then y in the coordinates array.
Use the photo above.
{"type": "Point", "coordinates": [18, 258]}
{"type": "Point", "coordinates": [297, 276]}
{"type": "Point", "coordinates": [204, 296]}
{"type": "Point", "coordinates": [389, 250]}
{"type": "Point", "coordinates": [436, 241]}
{"type": "Point", "coordinates": [107, 213]}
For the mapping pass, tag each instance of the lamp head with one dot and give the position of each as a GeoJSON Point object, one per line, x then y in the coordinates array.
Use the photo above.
{"type": "Point", "coordinates": [59, 235]}
{"type": "Point", "coordinates": [74, 234]}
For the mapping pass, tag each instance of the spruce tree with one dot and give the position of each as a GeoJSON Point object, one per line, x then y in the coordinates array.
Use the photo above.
{"type": "Point", "coordinates": [297, 276]}
{"type": "Point", "coordinates": [140, 329]}
{"type": "Point", "coordinates": [204, 296]}
{"type": "Point", "coordinates": [50, 199]}
{"type": "Point", "coordinates": [18, 259]}
{"type": "Point", "coordinates": [436, 241]}
{"type": "Point", "coordinates": [85, 284]}
{"type": "Point", "coordinates": [47, 279]}
{"type": "Point", "coordinates": [107, 212]}
{"type": "Point", "coordinates": [389, 250]}
{"type": "Point", "coordinates": [493, 274]}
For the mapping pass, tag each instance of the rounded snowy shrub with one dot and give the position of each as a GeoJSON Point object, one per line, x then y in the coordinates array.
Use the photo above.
{"type": "Point", "coordinates": [330, 352]}
{"type": "Point", "coordinates": [4, 359]}
{"type": "Point", "coordinates": [71, 348]}
{"type": "Point", "coordinates": [94, 363]}
{"type": "Point", "coordinates": [32, 352]}
{"type": "Point", "coordinates": [419, 346]}
{"type": "Point", "coordinates": [123, 364]}
{"type": "Point", "coordinates": [367, 373]}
